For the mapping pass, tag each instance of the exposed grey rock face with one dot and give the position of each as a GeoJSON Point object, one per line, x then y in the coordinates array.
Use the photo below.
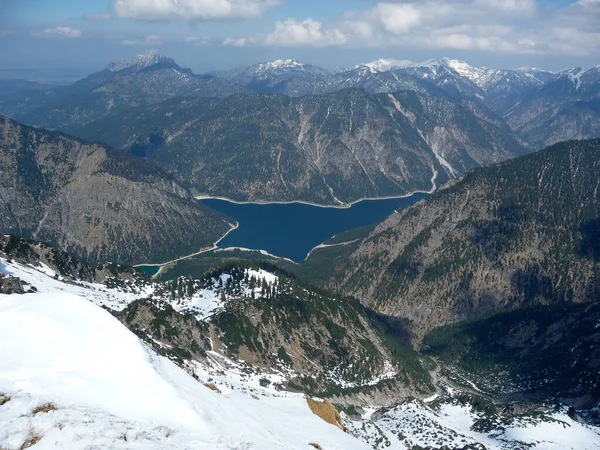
{"type": "Point", "coordinates": [94, 201]}
{"type": "Point", "coordinates": [11, 285]}
{"type": "Point", "coordinates": [520, 233]}
{"type": "Point", "coordinates": [330, 149]}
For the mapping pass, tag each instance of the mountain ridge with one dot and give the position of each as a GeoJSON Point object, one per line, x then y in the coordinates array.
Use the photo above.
{"type": "Point", "coordinates": [95, 201]}
{"type": "Point", "coordinates": [518, 233]}
{"type": "Point", "coordinates": [329, 149]}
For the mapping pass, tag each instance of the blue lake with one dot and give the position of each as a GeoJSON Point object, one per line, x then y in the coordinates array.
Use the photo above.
{"type": "Point", "coordinates": [292, 230]}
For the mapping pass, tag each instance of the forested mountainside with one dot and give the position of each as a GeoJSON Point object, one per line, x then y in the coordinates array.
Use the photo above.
{"type": "Point", "coordinates": [21, 95]}
{"type": "Point", "coordinates": [520, 233]}
{"type": "Point", "coordinates": [536, 353]}
{"type": "Point", "coordinates": [329, 149]}
{"type": "Point", "coordinates": [256, 314]}
{"type": "Point", "coordinates": [96, 202]}
{"type": "Point", "coordinates": [248, 315]}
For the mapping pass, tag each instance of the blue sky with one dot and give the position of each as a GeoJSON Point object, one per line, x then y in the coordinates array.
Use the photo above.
{"type": "Point", "coordinates": [63, 39]}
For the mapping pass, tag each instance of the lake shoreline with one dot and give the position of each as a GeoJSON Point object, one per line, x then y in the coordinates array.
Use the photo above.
{"type": "Point", "coordinates": [302, 202]}
{"type": "Point", "coordinates": [233, 227]}
{"type": "Point", "coordinates": [264, 251]}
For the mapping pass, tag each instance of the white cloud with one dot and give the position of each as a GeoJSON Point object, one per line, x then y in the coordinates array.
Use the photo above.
{"type": "Point", "coordinates": [192, 10]}
{"type": "Point", "coordinates": [396, 18]}
{"type": "Point", "coordinates": [292, 33]}
{"type": "Point", "coordinates": [151, 39]}
{"type": "Point", "coordinates": [197, 40]}
{"type": "Point", "coordinates": [501, 26]}
{"type": "Point", "coordinates": [509, 7]}
{"type": "Point", "coordinates": [5, 33]}
{"type": "Point", "coordinates": [586, 3]}
{"type": "Point", "coordinates": [508, 26]}
{"type": "Point", "coordinates": [62, 31]}
{"type": "Point", "coordinates": [96, 16]}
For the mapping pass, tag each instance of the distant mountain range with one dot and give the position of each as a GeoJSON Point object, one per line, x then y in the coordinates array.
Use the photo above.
{"type": "Point", "coordinates": [526, 97]}
{"type": "Point", "coordinates": [566, 107]}
{"type": "Point", "coordinates": [316, 141]}
{"type": "Point", "coordinates": [147, 79]}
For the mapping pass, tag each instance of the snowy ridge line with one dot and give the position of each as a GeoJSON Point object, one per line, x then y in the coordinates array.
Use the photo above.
{"type": "Point", "coordinates": [42, 278]}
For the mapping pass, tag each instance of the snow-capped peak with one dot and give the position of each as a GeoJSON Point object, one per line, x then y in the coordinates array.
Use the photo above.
{"type": "Point", "coordinates": [140, 62]}
{"type": "Point", "coordinates": [385, 65]}
{"type": "Point", "coordinates": [462, 68]}
{"type": "Point", "coordinates": [280, 64]}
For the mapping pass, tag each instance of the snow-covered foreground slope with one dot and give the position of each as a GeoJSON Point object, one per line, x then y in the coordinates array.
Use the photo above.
{"type": "Point", "coordinates": [111, 391]}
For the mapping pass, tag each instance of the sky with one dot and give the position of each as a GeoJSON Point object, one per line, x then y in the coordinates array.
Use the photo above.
{"type": "Point", "coordinates": [64, 40]}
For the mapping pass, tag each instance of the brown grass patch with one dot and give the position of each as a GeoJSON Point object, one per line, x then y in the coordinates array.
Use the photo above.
{"type": "Point", "coordinates": [255, 397]}
{"type": "Point", "coordinates": [326, 411]}
{"type": "Point", "coordinates": [212, 387]}
{"type": "Point", "coordinates": [33, 437]}
{"type": "Point", "coordinates": [317, 446]}
{"type": "Point", "coordinates": [44, 408]}
{"type": "Point", "coordinates": [4, 399]}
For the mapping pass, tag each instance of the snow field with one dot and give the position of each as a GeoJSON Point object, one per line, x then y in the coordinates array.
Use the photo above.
{"type": "Point", "coordinates": [111, 391]}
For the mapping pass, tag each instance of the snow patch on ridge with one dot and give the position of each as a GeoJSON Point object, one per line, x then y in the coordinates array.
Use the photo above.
{"type": "Point", "coordinates": [385, 65]}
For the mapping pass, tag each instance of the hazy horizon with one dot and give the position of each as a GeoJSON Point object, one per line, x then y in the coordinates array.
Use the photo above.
{"type": "Point", "coordinates": [64, 40]}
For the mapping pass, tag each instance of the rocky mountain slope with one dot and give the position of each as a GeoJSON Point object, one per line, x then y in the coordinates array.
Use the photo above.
{"type": "Point", "coordinates": [564, 108]}
{"type": "Point", "coordinates": [251, 317]}
{"type": "Point", "coordinates": [520, 233]}
{"type": "Point", "coordinates": [147, 79]}
{"type": "Point", "coordinates": [328, 149]}
{"type": "Point", "coordinates": [96, 202]}
{"type": "Point", "coordinates": [326, 346]}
